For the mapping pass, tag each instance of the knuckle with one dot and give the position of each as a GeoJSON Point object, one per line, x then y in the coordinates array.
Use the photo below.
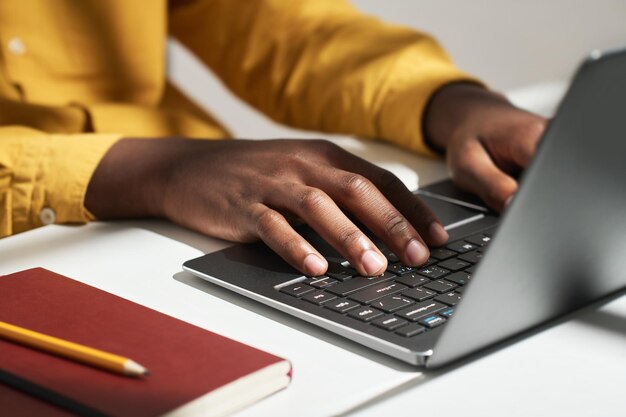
{"type": "Point", "coordinates": [396, 224]}
{"type": "Point", "coordinates": [267, 222]}
{"type": "Point", "coordinates": [349, 236]}
{"type": "Point", "coordinates": [293, 157]}
{"type": "Point", "coordinates": [312, 199]}
{"type": "Point", "coordinates": [356, 185]}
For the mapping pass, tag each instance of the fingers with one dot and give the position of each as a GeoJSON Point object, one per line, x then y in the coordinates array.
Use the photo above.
{"type": "Point", "coordinates": [418, 214]}
{"type": "Point", "coordinates": [362, 198]}
{"type": "Point", "coordinates": [416, 211]}
{"type": "Point", "coordinates": [474, 170]}
{"type": "Point", "coordinates": [525, 139]}
{"type": "Point", "coordinates": [273, 229]}
{"type": "Point", "coordinates": [321, 213]}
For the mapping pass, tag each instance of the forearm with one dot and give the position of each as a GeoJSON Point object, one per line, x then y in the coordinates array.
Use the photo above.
{"type": "Point", "coordinates": [320, 64]}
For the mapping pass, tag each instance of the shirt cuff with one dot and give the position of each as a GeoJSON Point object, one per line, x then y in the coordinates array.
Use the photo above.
{"type": "Point", "coordinates": [52, 176]}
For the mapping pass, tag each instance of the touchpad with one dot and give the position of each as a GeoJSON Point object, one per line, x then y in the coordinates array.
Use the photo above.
{"type": "Point", "coordinates": [451, 214]}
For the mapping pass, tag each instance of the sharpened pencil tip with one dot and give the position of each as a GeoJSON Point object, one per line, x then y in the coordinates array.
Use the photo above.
{"type": "Point", "coordinates": [132, 368]}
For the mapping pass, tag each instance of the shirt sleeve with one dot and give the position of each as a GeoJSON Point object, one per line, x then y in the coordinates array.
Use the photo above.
{"type": "Point", "coordinates": [46, 173]}
{"type": "Point", "coordinates": [319, 64]}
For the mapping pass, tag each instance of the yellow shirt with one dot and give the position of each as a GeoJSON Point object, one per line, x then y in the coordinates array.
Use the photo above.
{"type": "Point", "coordinates": [76, 76]}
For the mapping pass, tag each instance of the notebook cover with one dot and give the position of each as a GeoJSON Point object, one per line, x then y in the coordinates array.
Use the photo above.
{"type": "Point", "coordinates": [185, 361]}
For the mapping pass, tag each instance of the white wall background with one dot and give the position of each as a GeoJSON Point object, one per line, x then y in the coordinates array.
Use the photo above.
{"type": "Point", "coordinates": [509, 44]}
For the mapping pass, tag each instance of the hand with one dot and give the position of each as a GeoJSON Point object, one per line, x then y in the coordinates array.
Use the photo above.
{"type": "Point", "coordinates": [247, 190]}
{"type": "Point", "coordinates": [487, 140]}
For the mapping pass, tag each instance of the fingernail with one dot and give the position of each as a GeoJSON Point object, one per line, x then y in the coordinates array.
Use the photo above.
{"type": "Point", "coordinates": [416, 253]}
{"type": "Point", "coordinates": [314, 265]}
{"type": "Point", "coordinates": [508, 201]}
{"type": "Point", "coordinates": [438, 233]}
{"type": "Point", "coordinates": [372, 262]}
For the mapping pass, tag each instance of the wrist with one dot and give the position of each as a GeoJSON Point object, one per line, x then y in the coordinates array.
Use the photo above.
{"type": "Point", "coordinates": [130, 181]}
{"type": "Point", "coordinates": [452, 107]}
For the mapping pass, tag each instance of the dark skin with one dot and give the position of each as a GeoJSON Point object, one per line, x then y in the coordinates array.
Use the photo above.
{"type": "Point", "coordinates": [244, 191]}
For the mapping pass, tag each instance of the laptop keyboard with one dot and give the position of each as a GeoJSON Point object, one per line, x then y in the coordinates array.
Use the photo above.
{"type": "Point", "coordinates": [405, 300]}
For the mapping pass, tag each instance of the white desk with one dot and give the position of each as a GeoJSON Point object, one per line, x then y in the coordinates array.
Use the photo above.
{"type": "Point", "coordinates": [574, 369]}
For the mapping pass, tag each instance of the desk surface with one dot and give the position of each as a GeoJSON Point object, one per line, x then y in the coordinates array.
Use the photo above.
{"type": "Point", "coordinates": [575, 368]}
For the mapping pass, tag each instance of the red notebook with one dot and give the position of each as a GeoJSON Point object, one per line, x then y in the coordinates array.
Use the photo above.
{"type": "Point", "coordinates": [192, 371]}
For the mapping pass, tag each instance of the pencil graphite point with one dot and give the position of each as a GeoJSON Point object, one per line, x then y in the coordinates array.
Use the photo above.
{"type": "Point", "coordinates": [133, 368]}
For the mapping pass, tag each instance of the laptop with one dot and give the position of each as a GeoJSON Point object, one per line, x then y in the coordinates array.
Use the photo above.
{"type": "Point", "coordinates": [559, 246]}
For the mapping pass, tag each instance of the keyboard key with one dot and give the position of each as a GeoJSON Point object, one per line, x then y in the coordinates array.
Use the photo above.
{"type": "Point", "coordinates": [430, 262]}
{"type": "Point", "coordinates": [447, 313]}
{"type": "Point", "coordinates": [392, 258]}
{"type": "Point", "coordinates": [342, 305]}
{"type": "Point", "coordinates": [471, 257]}
{"type": "Point", "coordinates": [357, 283]}
{"type": "Point", "coordinates": [450, 298]}
{"type": "Point", "coordinates": [419, 294]}
{"type": "Point", "coordinates": [400, 269]}
{"type": "Point", "coordinates": [319, 297]}
{"type": "Point", "coordinates": [321, 282]}
{"type": "Point", "coordinates": [433, 272]}
{"type": "Point", "coordinates": [479, 240]}
{"type": "Point", "coordinates": [390, 323]}
{"type": "Point", "coordinates": [297, 290]}
{"type": "Point", "coordinates": [459, 278]}
{"type": "Point", "coordinates": [411, 330]}
{"type": "Point", "coordinates": [454, 264]}
{"type": "Point", "coordinates": [417, 311]}
{"type": "Point", "coordinates": [461, 246]}
{"type": "Point", "coordinates": [432, 321]}
{"type": "Point", "coordinates": [339, 271]}
{"type": "Point", "coordinates": [377, 291]}
{"type": "Point", "coordinates": [442, 254]}
{"type": "Point", "coordinates": [365, 313]}
{"type": "Point", "coordinates": [392, 303]}
{"type": "Point", "coordinates": [412, 280]}
{"type": "Point", "coordinates": [471, 269]}
{"type": "Point", "coordinates": [460, 290]}
{"type": "Point", "coordinates": [440, 286]}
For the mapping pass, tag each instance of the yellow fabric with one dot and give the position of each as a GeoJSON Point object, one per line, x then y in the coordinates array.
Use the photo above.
{"type": "Point", "coordinates": [76, 76]}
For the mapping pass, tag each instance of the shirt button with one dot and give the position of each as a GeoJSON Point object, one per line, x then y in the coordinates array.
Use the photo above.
{"type": "Point", "coordinates": [16, 46]}
{"type": "Point", "coordinates": [47, 216]}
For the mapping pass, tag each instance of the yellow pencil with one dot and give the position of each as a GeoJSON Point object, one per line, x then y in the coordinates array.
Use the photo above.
{"type": "Point", "coordinates": [70, 350]}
